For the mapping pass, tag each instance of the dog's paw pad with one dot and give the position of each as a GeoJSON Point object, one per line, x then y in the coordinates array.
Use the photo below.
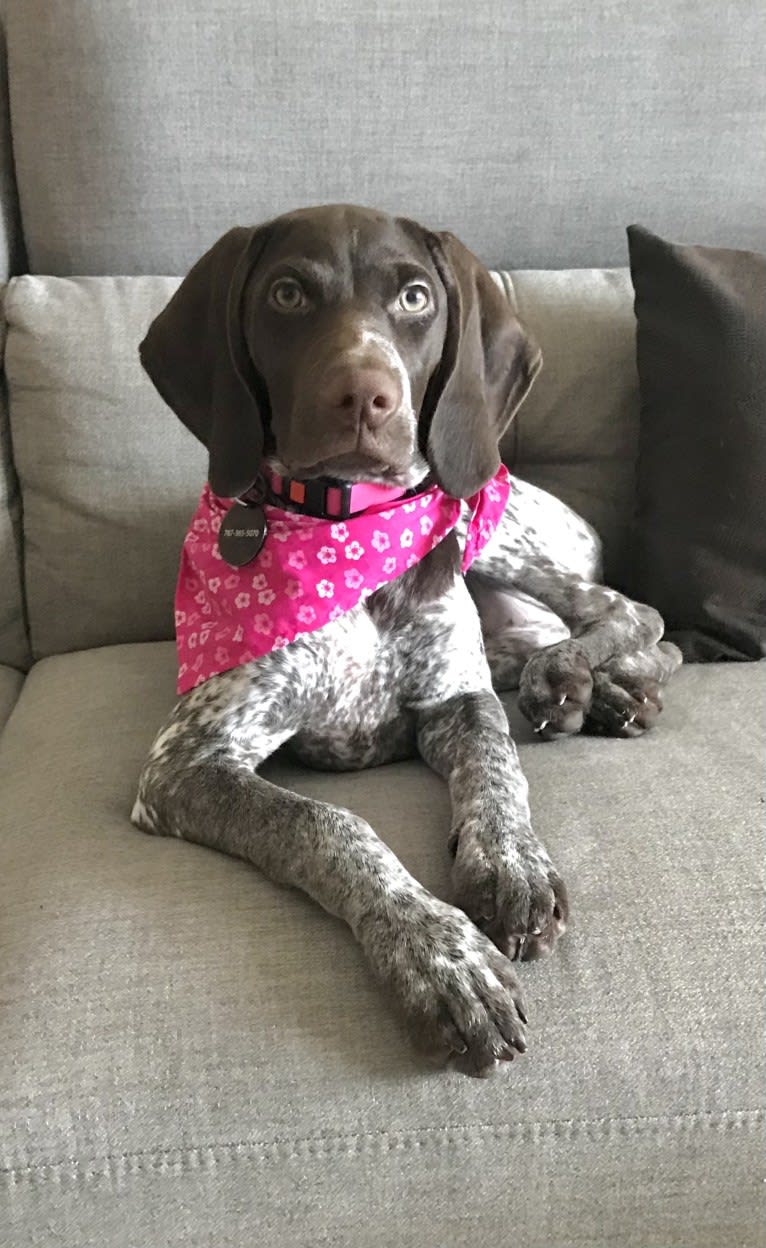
{"type": "Point", "coordinates": [555, 691]}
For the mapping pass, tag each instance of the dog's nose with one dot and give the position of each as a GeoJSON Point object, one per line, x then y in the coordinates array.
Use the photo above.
{"type": "Point", "coordinates": [362, 394]}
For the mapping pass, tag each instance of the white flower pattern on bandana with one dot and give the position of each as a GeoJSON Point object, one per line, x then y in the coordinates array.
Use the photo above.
{"type": "Point", "coordinates": [309, 573]}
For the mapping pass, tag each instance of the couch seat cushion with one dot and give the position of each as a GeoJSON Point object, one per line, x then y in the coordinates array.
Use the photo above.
{"type": "Point", "coordinates": [189, 1047]}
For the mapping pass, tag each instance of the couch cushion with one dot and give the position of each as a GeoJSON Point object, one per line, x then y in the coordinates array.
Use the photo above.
{"type": "Point", "coordinates": [534, 131]}
{"type": "Point", "coordinates": [10, 688]}
{"type": "Point", "coordinates": [195, 1056]}
{"type": "Point", "coordinates": [699, 550]}
{"type": "Point", "coordinates": [14, 644]}
{"type": "Point", "coordinates": [109, 477]}
{"type": "Point", "coordinates": [577, 433]}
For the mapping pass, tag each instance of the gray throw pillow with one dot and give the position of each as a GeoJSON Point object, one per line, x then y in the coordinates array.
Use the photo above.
{"type": "Point", "coordinates": [699, 540]}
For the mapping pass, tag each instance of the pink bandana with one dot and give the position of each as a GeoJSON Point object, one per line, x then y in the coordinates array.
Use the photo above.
{"type": "Point", "coordinates": [309, 572]}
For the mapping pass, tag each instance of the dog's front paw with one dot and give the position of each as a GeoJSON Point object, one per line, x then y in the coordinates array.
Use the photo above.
{"type": "Point", "coordinates": [624, 707]}
{"type": "Point", "coordinates": [627, 691]}
{"type": "Point", "coordinates": [508, 885]}
{"type": "Point", "coordinates": [555, 690]}
{"type": "Point", "coordinates": [460, 996]}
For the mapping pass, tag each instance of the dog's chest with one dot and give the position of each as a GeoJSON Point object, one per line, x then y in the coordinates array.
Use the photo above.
{"type": "Point", "coordinates": [358, 714]}
{"type": "Point", "coordinates": [377, 665]}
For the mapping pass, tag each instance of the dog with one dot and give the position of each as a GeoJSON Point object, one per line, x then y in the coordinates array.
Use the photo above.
{"type": "Point", "coordinates": [335, 347]}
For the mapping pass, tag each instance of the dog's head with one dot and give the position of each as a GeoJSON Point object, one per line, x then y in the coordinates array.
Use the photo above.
{"type": "Point", "coordinates": [339, 341]}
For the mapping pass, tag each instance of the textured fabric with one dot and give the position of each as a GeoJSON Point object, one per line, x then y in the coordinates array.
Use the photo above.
{"type": "Point", "coordinates": [699, 551]}
{"type": "Point", "coordinates": [109, 475]}
{"type": "Point", "coordinates": [534, 131]}
{"type": "Point", "coordinates": [12, 258]}
{"type": "Point", "coordinates": [577, 432]}
{"type": "Point", "coordinates": [10, 687]}
{"type": "Point", "coordinates": [196, 1057]}
{"type": "Point", "coordinates": [308, 573]}
{"type": "Point", "coordinates": [14, 645]}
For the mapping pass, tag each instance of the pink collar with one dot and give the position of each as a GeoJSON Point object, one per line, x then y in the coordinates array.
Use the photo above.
{"type": "Point", "coordinates": [310, 571]}
{"type": "Point", "coordinates": [329, 498]}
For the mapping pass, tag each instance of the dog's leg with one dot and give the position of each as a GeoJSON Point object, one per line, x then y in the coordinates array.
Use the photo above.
{"type": "Point", "coordinates": [549, 553]}
{"type": "Point", "coordinates": [458, 992]}
{"type": "Point", "coordinates": [556, 687]}
{"type": "Point", "coordinates": [503, 876]}
{"type": "Point", "coordinates": [514, 627]}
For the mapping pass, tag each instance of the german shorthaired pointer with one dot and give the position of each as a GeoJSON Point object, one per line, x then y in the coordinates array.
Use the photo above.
{"type": "Point", "coordinates": [344, 343]}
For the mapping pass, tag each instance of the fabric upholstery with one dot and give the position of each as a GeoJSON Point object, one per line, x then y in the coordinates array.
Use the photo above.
{"type": "Point", "coordinates": [577, 432]}
{"type": "Point", "coordinates": [10, 687]}
{"type": "Point", "coordinates": [699, 548]}
{"type": "Point", "coordinates": [199, 1057]}
{"type": "Point", "coordinates": [110, 478]}
{"type": "Point", "coordinates": [14, 644]}
{"type": "Point", "coordinates": [12, 258]}
{"type": "Point", "coordinates": [535, 132]}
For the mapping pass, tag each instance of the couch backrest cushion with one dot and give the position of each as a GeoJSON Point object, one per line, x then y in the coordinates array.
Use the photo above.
{"type": "Point", "coordinates": [110, 477]}
{"type": "Point", "coordinates": [536, 132]}
{"type": "Point", "coordinates": [577, 432]}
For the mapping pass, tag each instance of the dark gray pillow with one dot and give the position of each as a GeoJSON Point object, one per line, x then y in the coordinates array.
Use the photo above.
{"type": "Point", "coordinates": [699, 541]}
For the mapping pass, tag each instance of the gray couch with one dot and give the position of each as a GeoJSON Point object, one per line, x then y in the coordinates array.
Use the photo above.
{"type": "Point", "coordinates": [191, 1055]}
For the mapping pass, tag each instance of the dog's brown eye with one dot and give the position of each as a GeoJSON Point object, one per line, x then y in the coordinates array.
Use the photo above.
{"type": "Point", "coordinates": [287, 295]}
{"type": "Point", "coordinates": [415, 297]}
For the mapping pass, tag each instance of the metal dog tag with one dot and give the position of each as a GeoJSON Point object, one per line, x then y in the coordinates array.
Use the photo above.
{"type": "Point", "coordinates": [242, 534]}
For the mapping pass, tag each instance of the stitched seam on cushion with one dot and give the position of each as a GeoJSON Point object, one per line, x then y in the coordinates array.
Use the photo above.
{"type": "Point", "coordinates": [198, 1156]}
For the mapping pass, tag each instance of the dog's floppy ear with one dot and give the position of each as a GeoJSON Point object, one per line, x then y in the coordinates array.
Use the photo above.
{"type": "Point", "coordinates": [488, 365]}
{"type": "Point", "coordinates": [196, 354]}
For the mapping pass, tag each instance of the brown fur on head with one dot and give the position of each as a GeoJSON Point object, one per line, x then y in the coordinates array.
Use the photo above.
{"type": "Point", "coordinates": [340, 341]}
